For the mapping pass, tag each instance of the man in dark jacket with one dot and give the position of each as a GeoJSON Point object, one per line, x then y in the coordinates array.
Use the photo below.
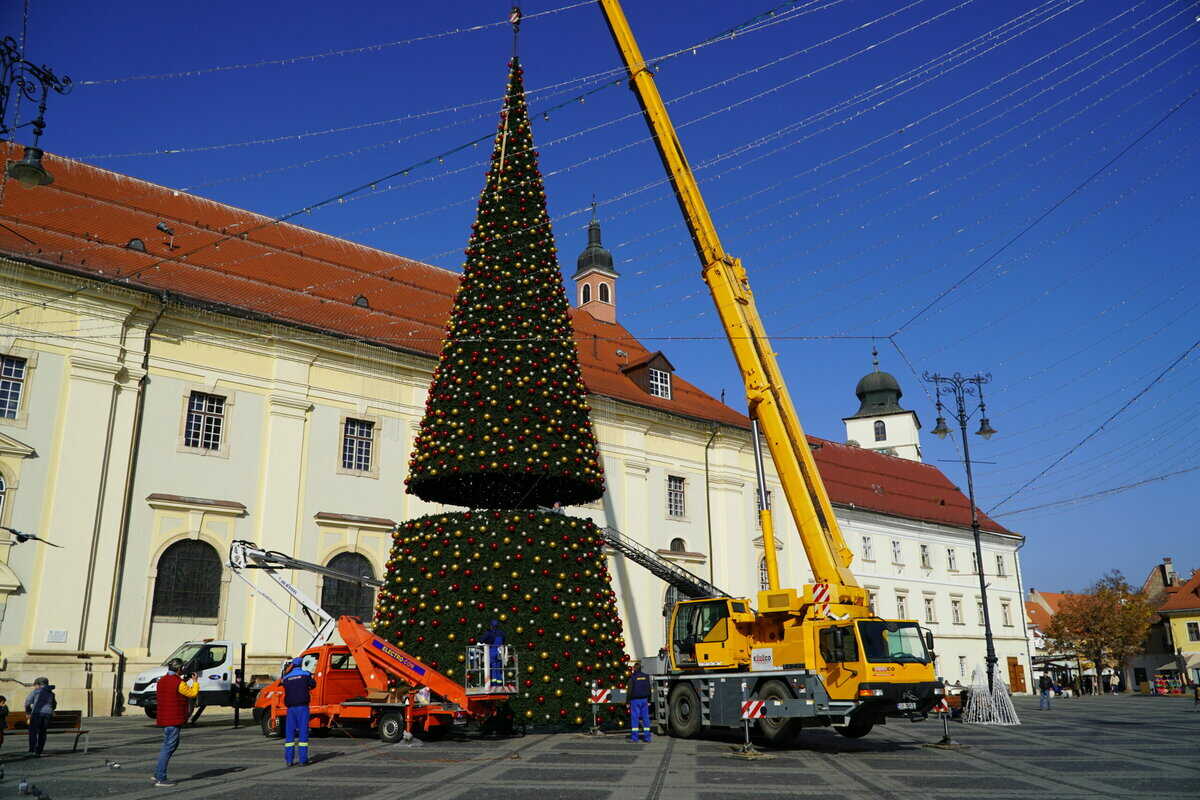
{"type": "Point", "coordinates": [39, 708]}
{"type": "Point", "coordinates": [171, 695]}
{"type": "Point", "coordinates": [639, 704]}
{"type": "Point", "coordinates": [1045, 685]}
{"type": "Point", "coordinates": [297, 688]}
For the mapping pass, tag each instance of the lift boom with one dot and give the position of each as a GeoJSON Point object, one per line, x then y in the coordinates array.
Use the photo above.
{"type": "Point", "coordinates": [766, 393]}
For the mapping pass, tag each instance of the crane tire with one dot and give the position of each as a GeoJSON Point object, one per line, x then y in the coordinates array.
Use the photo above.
{"type": "Point", "coordinates": [777, 730]}
{"type": "Point", "coordinates": [271, 724]}
{"type": "Point", "coordinates": [391, 727]}
{"type": "Point", "coordinates": [855, 730]}
{"type": "Point", "coordinates": [683, 711]}
{"type": "Point", "coordinates": [151, 711]}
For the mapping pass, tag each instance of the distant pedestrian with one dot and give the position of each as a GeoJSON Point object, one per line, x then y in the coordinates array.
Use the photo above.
{"type": "Point", "coordinates": [297, 688]}
{"type": "Point", "coordinates": [172, 695]}
{"type": "Point", "coordinates": [3, 717]}
{"type": "Point", "coordinates": [39, 708]}
{"type": "Point", "coordinates": [1046, 685]}
{"type": "Point", "coordinates": [1196, 697]}
{"type": "Point", "coordinates": [494, 638]}
{"type": "Point", "coordinates": [639, 704]}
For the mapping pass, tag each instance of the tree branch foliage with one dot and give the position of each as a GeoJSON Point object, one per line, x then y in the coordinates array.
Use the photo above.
{"type": "Point", "coordinates": [1106, 624]}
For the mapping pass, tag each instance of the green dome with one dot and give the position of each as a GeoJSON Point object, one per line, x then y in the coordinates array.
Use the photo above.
{"type": "Point", "coordinates": [595, 255]}
{"type": "Point", "coordinates": [878, 392]}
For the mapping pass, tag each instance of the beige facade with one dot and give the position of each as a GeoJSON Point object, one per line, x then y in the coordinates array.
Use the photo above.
{"type": "Point", "coordinates": [76, 472]}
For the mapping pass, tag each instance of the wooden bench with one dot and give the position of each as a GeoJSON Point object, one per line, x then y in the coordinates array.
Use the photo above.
{"type": "Point", "coordinates": [67, 722]}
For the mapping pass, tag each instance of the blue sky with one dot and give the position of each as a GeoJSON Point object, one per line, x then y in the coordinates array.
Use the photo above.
{"type": "Point", "coordinates": [862, 158]}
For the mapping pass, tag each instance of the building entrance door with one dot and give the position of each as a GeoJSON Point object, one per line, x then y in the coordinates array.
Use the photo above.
{"type": "Point", "coordinates": [1016, 675]}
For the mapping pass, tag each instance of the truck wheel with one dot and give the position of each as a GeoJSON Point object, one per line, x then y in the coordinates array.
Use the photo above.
{"type": "Point", "coordinates": [855, 730]}
{"type": "Point", "coordinates": [391, 727]}
{"type": "Point", "coordinates": [777, 730]}
{"type": "Point", "coordinates": [151, 711]}
{"type": "Point", "coordinates": [683, 711]}
{"type": "Point", "coordinates": [270, 725]}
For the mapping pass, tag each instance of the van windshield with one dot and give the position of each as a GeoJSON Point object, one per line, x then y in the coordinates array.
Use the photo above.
{"type": "Point", "coordinates": [185, 653]}
{"type": "Point", "coordinates": [892, 642]}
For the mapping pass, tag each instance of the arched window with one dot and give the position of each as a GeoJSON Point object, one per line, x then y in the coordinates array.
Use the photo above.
{"type": "Point", "coordinates": [764, 581]}
{"type": "Point", "coordinates": [672, 597]}
{"type": "Point", "coordinates": [604, 293]}
{"type": "Point", "coordinates": [880, 431]}
{"type": "Point", "coordinates": [340, 597]}
{"type": "Point", "coordinates": [188, 582]}
{"type": "Point", "coordinates": [678, 545]}
{"type": "Point", "coordinates": [585, 294]}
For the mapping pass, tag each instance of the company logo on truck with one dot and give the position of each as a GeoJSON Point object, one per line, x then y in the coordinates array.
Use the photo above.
{"type": "Point", "coordinates": [398, 656]}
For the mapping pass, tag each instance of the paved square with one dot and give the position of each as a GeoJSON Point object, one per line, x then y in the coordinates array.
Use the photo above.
{"type": "Point", "coordinates": [1108, 747]}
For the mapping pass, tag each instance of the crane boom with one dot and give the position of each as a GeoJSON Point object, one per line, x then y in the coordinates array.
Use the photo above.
{"type": "Point", "coordinates": [766, 393]}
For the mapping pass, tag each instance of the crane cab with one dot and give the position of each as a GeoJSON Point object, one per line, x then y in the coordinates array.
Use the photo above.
{"type": "Point", "coordinates": [712, 633]}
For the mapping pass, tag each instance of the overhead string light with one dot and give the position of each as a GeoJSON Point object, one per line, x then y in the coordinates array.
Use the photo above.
{"type": "Point", "coordinates": [777, 220]}
{"type": "Point", "coordinates": [549, 90]}
{"type": "Point", "coordinates": [372, 48]}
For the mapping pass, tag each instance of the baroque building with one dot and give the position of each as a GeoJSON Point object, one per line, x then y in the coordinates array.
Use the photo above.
{"type": "Point", "coordinates": [179, 374]}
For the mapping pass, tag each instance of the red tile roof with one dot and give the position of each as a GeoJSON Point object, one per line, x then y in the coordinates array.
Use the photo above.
{"type": "Point", "coordinates": [1185, 598]}
{"type": "Point", "coordinates": [1053, 599]}
{"type": "Point", "coordinates": [1037, 615]}
{"type": "Point", "coordinates": [243, 263]}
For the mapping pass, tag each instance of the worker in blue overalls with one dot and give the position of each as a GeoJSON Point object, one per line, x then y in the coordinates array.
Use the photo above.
{"type": "Point", "coordinates": [639, 704]}
{"type": "Point", "coordinates": [298, 684]}
{"type": "Point", "coordinates": [494, 639]}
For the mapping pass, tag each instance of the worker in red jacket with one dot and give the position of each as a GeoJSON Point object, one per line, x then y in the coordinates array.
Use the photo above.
{"type": "Point", "coordinates": [297, 687]}
{"type": "Point", "coordinates": [172, 693]}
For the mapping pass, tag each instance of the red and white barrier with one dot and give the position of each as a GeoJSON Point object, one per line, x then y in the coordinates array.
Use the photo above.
{"type": "Point", "coordinates": [754, 709]}
{"type": "Point", "coordinates": [600, 696]}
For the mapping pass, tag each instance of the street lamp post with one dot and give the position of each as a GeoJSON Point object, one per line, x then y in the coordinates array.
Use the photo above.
{"type": "Point", "coordinates": [21, 78]}
{"type": "Point", "coordinates": [961, 387]}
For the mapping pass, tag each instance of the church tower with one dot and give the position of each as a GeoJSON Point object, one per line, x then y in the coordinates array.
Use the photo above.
{"type": "Point", "coordinates": [880, 423]}
{"type": "Point", "coordinates": [595, 279]}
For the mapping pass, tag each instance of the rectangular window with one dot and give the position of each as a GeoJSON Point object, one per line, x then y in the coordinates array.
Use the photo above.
{"type": "Point", "coordinates": [205, 421]}
{"type": "Point", "coordinates": [1193, 629]}
{"type": "Point", "coordinates": [951, 559]}
{"type": "Point", "coordinates": [868, 549]}
{"type": "Point", "coordinates": [974, 563]}
{"type": "Point", "coordinates": [956, 612]}
{"type": "Point", "coordinates": [675, 497]}
{"type": "Point", "coordinates": [12, 383]}
{"type": "Point", "coordinates": [758, 504]}
{"type": "Point", "coordinates": [660, 383]}
{"type": "Point", "coordinates": [925, 562]}
{"type": "Point", "coordinates": [1006, 612]}
{"type": "Point", "coordinates": [979, 609]}
{"type": "Point", "coordinates": [1000, 565]}
{"type": "Point", "coordinates": [930, 610]}
{"type": "Point", "coordinates": [962, 666]}
{"type": "Point", "coordinates": [872, 600]}
{"type": "Point", "coordinates": [896, 552]}
{"type": "Point", "coordinates": [357, 440]}
{"type": "Point", "coordinates": [901, 606]}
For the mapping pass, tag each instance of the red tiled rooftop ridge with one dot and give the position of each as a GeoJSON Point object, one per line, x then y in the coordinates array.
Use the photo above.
{"type": "Point", "coordinates": [246, 264]}
{"type": "Point", "coordinates": [1185, 597]}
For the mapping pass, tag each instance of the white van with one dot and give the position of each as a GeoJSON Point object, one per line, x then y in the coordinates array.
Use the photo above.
{"type": "Point", "coordinates": [214, 665]}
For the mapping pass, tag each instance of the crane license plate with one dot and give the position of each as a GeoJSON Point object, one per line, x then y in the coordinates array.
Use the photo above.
{"type": "Point", "coordinates": [905, 706]}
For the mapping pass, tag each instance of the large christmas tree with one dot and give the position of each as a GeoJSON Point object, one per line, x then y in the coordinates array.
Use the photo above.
{"type": "Point", "coordinates": [506, 431]}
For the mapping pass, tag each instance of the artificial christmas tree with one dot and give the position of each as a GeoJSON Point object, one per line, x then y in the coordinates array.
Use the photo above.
{"type": "Point", "coordinates": [506, 431]}
{"type": "Point", "coordinates": [506, 421]}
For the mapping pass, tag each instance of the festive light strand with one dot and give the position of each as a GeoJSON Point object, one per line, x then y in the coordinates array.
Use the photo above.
{"type": "Point", "coordinates": [372, 48]}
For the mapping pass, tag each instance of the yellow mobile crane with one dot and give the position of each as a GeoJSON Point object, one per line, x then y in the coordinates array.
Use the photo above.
{"type": "Point", "coordinates": [817, 657]}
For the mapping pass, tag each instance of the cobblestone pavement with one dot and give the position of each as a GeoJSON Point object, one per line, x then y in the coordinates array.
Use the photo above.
{"type": "Point", "coordinates": [1109, 747]}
